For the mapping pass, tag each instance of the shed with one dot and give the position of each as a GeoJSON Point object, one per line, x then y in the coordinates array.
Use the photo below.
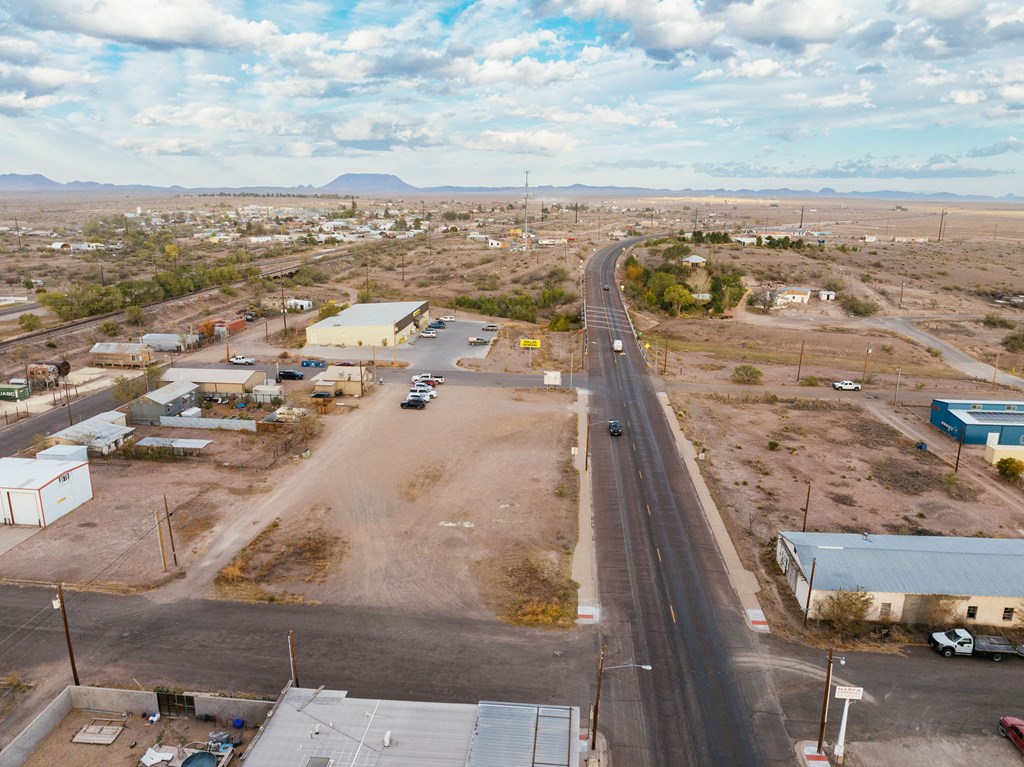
{"type": "Point", "coordinates": [177, 446]}
{"type": "Point", "coordinates": [352, 381]}
{"type": "Point", "coordinates": [103, 433]}
{"type": "Point", "coordinates": [384, 324]}
{"type": "Point", "coordinates": [168, 400]}
{"type": "Point", "coordinates": [172, 342]}
{"type": "Point", "coordinates": [976, 420]}
{"type": "Point", "coordinates": [218, 380]}
{"type": "Point", "coordinates": [121, 354]}
{"type": "Point", "coordinates": [695, 261]}
{"type": "Point", "coordinates": [909, 577]}
{"type": "Point", "coordinates": [77, 453]}
{"type": "Point", "coordinates": [39, 492]}
{"type": "Point", "coordinates": [267, 393]}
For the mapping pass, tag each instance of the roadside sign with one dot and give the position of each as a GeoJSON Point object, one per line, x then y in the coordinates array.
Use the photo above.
{"type": "Point", "coordinates": [529, 343]}
{"type": "Point", "coordinates": [849, 693]}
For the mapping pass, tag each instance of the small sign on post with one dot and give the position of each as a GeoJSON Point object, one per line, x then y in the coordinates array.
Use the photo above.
{"type": "Point", "coordinates": [529, 343]}
{"type": "Point", "coordinates": [849, 693]}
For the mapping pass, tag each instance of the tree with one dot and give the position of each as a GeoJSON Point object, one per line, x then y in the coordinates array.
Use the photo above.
{"type": "Point", "coordinates": [679, 297]}
{"type": "Point", "coordinates": [746, 374]}
{"type": "Point", "coordinates": [109, 328]}
{"type": "Point", "coordinates": [765, 299]}
{"type": "Point", "coordinates": [29, 322]}
{"type": "Point", "coordinates": [329, 310]}
{"type": "Point", "coordinates": [659, 283]}
{"type": "Point", "coordinates": [135, 315]}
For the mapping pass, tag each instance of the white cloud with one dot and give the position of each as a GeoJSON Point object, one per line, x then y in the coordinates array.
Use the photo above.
{"type": "Point", "coordinates": [514, 47]}
{"type": "Point", "coordinates": [943, 10]}
{"type": "Point", "coordinates": [965, 97]}
{"type": "Point", "coordinates": [790, 23]}
{"type": "Point", "coordinates": [521, 142]}
{"type": "Point", "coordinates": [171, 146]}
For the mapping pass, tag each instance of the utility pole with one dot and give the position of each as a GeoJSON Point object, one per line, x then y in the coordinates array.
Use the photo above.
{"type": "Point", "coordinates": [902, 286]}
{"type": "Point", "coordinates": [526, 214]}
{"type": "Point", "coordinates": [896, 396]}
{"type": "Point", "coordinates": [67, 395]}
{"type": "Point", "coordinates": [800, 364]}
{"type": "Point", "coordinates": [67, 631]}
{"type": "Point", "coordinates": [586, 449]}
{"type": "Point", "coordinates": [959, 447]}
{"type": "Point", "coordinates": [942, 223]}
{"type": "Point", "coordinates": [597, 701]}
{"type": "Point", "coordinates": [292, 658]}
{"type": "Point", "coordinates": [284, 311]}
{"type": "Point", "coordinates": [807, 505]}
{"type": "Point", "coordinates": [170, 532]}
{"type": "Point", "coordinates": [810, 590]}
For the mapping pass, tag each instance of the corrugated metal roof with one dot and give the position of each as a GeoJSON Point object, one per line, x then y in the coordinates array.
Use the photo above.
{"type": "Point", "coordinates": [524, 735]}
{"type": "Point", "coordinates": [171, 392]}
{"type": "Point", "coordinates": [186, 444]}
{"type": "Point", "coordinates": [980, 401]}
{"type": "Point", "coordinates": [117, 348]}
{"type": "Point", "coordinates": [32, 473]}
{"type": "Point", "coordinates": [98, 431]}
{"type": "Point", "coordinates": [912, 564]}
{"type": "Point", "coordinates": [989, 417]}
{"type": "Point", "coordinates": [211, 375]}
{"type": "Point", "coordinates": [371, 314]}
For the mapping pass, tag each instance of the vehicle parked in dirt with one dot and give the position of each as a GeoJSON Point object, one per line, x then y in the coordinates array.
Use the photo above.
{"type": "Point", "coordinates": [238, 359]}
{"type": "Point", "coordinates": [615, 428]}
{"type": "Point", "coordinates": [962, 642]}
{"type": "Point", "coordinates": [321, 395]}
{"type": "Point", "coordinates": [290, 375]}
{"type": "Point", "coordinates": [419, 396]}
{"type": "Point", "coordinates": [478, 341]}
{"type": "Point", "coordinates": [426, 391]}
{"type": "Point", "coordinates": [490, 327]}
{"type": "Point", "coordinates": [846, 385]}
{"type": "Point", "coordinates": [421, 376]}
{"type": "Point", "coordinates": [1012, 728]}
{"type": "Point", "coordinates": [448, 318]}
{"type": "Point", "coordinates": [428, 334]}
{"type": "Point", "coordinates": [415, 403]}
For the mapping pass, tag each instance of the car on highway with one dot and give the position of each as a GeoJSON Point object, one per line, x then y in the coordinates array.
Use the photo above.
{"type": "Point", "coordinates": [239, 359]}
{"type": "Point", "coordinates": [423, 376]}
{"type": "Point", "coordinates": [846, 385]}
{"type": "Point", "coordinates": [415, 403]}
{"type": "Point", "coordinates": [606, 287]}
{"type": "Point", "coordinates": [1012, 728]}
{"type": "Point", "coordinates": [615, 428]}
{"type": "Point", "coordinates": [490, 327]}
{"type": "Point", "coordinates": [428, 334]}
{"type": "Point", "coordinates": [321, 395]}
{"type": "Point", "coordinates": [448, 318]}
{"type": "Point", "coordinates": [290, 375]}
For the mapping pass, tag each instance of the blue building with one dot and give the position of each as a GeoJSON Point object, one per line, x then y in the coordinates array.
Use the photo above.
{"type": "Point", "coordinates": [976, 419]}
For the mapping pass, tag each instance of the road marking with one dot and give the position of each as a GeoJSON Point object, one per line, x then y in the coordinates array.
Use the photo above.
{"type": "Point", "coordinates": [638, 471]}
{"type": "Point", "coordinates": [673, 613]}
{"type": "Point", "coordinates": [659, 552]}
{"type": "Point", "coordinates": [648, 509]}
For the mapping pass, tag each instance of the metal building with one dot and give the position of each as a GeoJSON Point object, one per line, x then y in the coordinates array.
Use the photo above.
{"type": "Point", "coordinates": [40, 491]}
{"type": "Point", "coordinates": [380, 325]}
{"type": "Point", "coordinates": [975, 420]}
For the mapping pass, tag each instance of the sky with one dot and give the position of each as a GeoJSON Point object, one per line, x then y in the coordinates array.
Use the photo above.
{"type": "Point", "coordinates": [858, 95]}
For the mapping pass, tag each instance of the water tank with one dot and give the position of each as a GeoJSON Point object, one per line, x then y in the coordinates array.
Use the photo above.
{"type": "Point", "coordinates": [63, 366]}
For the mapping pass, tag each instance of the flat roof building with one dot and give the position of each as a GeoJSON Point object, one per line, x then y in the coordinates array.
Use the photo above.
{"type": "Point", "coordinates": [976, 420]}
{"type": "Point", "coordinates": [103, 433]}
{"type": "Point", "coordinates": [381, 325]}
{"type": "Point", "coordinates": [38, 492]}
{"type": "Point", "coordinates": [218, 380]}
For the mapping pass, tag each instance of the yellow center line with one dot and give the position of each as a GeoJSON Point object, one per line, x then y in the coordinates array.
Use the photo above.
{"type": "Point", "coordinates": [659, 552]}
{"type": "Point", "coordinates": [673, 613]}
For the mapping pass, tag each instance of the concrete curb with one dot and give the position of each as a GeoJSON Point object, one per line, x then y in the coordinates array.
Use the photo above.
{"type": "Point", "coordinates": [584, 558]}
{"type": "Point", "coordinates": [743, 581]}
{"type": "Point", "coordinates": [807, 754]}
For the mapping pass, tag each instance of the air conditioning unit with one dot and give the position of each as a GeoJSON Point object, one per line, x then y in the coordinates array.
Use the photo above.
{"type": "Point", "coordinates": [387, 739]}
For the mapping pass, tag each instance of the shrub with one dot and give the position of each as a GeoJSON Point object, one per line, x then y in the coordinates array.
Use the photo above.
{"type": "Point", "coordinates": [29, 322]}
{"type": "Point", "coordinates": [773, 444]}
{"type": "Point", "coordinates": [135, 315]}
{"type": "Point", "coordinates": [1014, 342]}
{"type": "Point", "coordinates": [746, 374]}
{"type": "Point", "coordinates": [1010, 469]}
{"type": "Point", "coordinates": [858, 307]}
{"type": "Point", "coordinates": [995, 321]}
{"type": "Point", "coordinates": [109, 328]}
{"type": "Point", "coordinates": [845, 611]}
{"type": "Point", "coordinates": [810, 381]}
{"type": "Point", "coordinates": [934, 351]}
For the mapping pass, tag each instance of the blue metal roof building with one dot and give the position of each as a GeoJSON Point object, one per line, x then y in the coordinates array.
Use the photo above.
{"type": "Point", "coordinates": [976, 419]}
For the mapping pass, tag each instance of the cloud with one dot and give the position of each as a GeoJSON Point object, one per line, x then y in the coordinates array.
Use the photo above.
{"type": "Point", "coordinates": [965, 97]}
{"type": "Point", "coordinates": [748, 70]}
{"type": "Point", "coordinates": [937, 167]}
{"type": "Point", "coordinates": [520, 142]}
{"type": "Point", "coordinates": [514, 47]}
{"type": "Point", "coordinates": [790, 24]}
{"type": "Point", "coordinates": [167, 146]}
{"type": "Point", "coordinates": [1011, 144]}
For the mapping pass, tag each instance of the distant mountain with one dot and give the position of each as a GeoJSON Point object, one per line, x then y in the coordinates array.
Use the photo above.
{"type": "Point", "coordinates": [391, 185]}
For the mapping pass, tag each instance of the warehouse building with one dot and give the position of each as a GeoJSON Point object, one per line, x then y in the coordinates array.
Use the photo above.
{"type": "Point", "coordinates": [121, 355]}
{"type": "Point", "coordinates": [39, 491]}
{"type": "Point", "coordinates": [975, 420]}
{"type": "Point", "coordinates": [172, 342]}
{"type": "Point", "coordinates": [910, 578]}
{"type": "Point", "coordinates": [413, 733]}
{"type": "Point", "coordinates": [388, 324]}
{"type": "Point", "coordinates": [217, 381]}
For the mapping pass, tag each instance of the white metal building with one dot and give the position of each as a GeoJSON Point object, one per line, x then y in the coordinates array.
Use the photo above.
{"type": "Point", "coordinates": [39, 491]}
{"type": "Point", "coordinates": [103, 433]}
{"type": "Point", "coordinates": [979, 580]}
{"type": "Point", "coordinates": [383, 325]}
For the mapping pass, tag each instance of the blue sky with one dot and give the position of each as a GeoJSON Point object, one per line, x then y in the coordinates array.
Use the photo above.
{"type": "Point", "coordinates": [912, 95]}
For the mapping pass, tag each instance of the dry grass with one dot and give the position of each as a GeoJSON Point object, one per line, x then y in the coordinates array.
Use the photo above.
{"type": "Point", "coordinates": [425, 479]}
{"type": "Point", "coordinates": [538, 591]}
{"type": "Point", "coordinates": [910, 477]}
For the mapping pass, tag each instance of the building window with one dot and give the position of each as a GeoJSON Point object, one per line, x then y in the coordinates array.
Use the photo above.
{"type": "Point", "coordinates": [884, 611]}
{"type": "Point", "coordinates": [1007, 613]}
{"type": "Point", "coordinates": [972, 612]}
{"type": "Point", "coordinates": [64, 477]}
{"type": "Point", "coordinates": [1011, 407]}
{"type": "Point", "coordinates": [975, 407]}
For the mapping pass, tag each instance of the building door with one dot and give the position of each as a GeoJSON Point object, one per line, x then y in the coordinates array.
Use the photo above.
{"type": "Point", "coordinates": [25, 508]}
{"type": "Point", "coordinates": [173, 704]}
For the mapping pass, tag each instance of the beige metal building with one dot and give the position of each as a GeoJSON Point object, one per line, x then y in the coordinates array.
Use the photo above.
{"type": "Point", "coordinates": [351, 381]}
{"type": "Point", "coordinates": [218, 380]}
{"type": "Point", "coordinates": [121, 355]}
{"type": "Point", "coordinates": [381, 325]}
{"type": "Point", "coordinates": [910, 578]}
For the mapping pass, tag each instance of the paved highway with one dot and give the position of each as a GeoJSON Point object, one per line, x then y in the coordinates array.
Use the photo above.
{"type": "Point", "coordinates": [666, 598]}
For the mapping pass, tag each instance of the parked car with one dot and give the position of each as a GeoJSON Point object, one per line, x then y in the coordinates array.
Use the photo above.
{"type": "Point", "coordinates": [421, 376]}
{"type": "Point", "coordinates": [322, 395]}
{"type": "Point", "coordinates": [415, 396]}
{"type": "Point", "coordinates": [426, 391]}
{"type": "Point", "coordinates": [415, 403]}
{"type": "Point", "coordinates": [290, 375]}
{"type": "Point", "coordinates": [615, 428]}
{"type": "Point", "coordinates": [1013, 728]}
{"type": "Point", "coordinates": [436, 325]}
{"type": "Point", "coordinates": [448, 318]}
{"type": "Point", "coordinates": [490, 327]}
{"type": "Point", "coordinates": [238, 359]}
{"type": "Point", "coordinates": [428, 334]}
{"type": "Point", "coordinates": [846, 385]}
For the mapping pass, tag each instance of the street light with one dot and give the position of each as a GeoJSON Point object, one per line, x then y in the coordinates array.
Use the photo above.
{"type": "Point", "coordinates": [824, 700]}
{"type": "Point", "coordinates": [601, 668]}
{"type": "Point", "coordinates": [58, 604]}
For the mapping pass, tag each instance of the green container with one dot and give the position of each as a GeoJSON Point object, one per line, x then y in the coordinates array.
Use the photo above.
{"type": "Point", "coordinates": [14, 392]}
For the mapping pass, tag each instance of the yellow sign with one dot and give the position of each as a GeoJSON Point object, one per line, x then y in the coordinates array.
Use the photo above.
{"type": "Point", "coordinates": [529, 343]}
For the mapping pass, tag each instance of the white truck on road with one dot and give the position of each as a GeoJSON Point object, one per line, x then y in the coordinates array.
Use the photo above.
{"type": "Point", "coordinates": [239, 359]}
{"type": "Point", "coordinates": [617, 345]}
{"type": "Point", "coordinates": [962, 642]}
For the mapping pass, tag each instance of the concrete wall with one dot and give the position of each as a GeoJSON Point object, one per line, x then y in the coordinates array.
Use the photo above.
{"type": "Point", "coordinates": [29, 739]}
{"type": "Point", "coordinates": [994, 452]}
{"type": "Point", "coordinates": [115, 701]}
{"type": "Point", "coordinates": [253, 712]}
{"type": "Point", "coordinates": [207, 423]}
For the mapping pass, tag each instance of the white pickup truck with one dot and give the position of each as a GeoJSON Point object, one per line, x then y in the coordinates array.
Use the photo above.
{"type": "Point", "coordinates": [238, 359]}
{"type": "Point", "coordinates": [962, 642]}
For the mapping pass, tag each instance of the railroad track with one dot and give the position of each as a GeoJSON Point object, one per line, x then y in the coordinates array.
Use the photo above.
{"type": "Point", "coordinates": [269, 271]}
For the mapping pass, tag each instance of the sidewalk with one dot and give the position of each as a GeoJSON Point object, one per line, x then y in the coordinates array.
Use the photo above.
{"type": "Point", "coordinates": [584, 560]}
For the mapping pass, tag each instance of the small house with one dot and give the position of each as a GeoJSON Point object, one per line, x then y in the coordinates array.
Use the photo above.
{"type": "Point", "coordinates": [694, 261]}
{"type": "Point", "coordinates": [102, 434]}
{"type": "Point", "coordinates": [172, 342]}
{"type": "Point", "coordinates": [339, 379]}
{"type": "Point", "coordinates": [785, 296]}
{"type": "Point", "coordinates": [169, 400]}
